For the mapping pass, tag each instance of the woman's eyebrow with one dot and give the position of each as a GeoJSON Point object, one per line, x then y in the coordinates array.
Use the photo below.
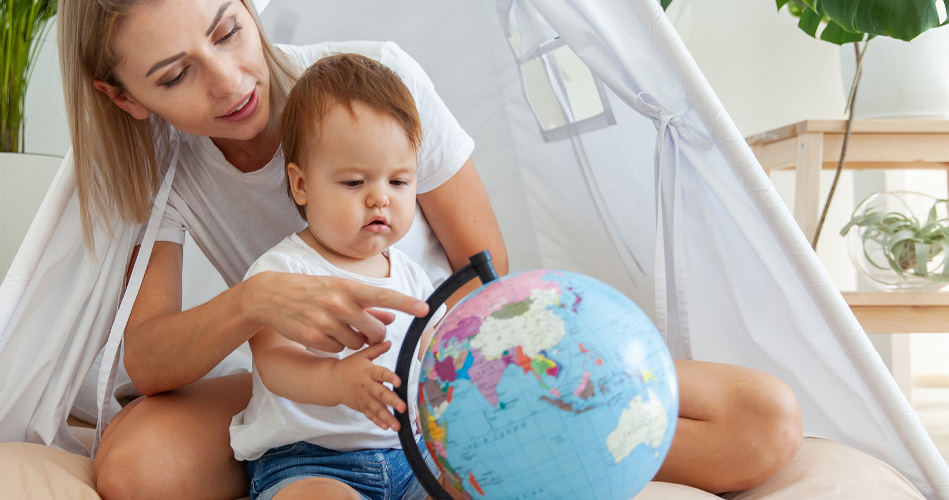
{"type": "Point", "coordinates": [164, 62]}
{"type": "Point", "coordinates": [217, 17]}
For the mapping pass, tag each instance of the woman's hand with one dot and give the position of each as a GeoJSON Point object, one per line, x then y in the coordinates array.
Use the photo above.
{"type": "Point", "coordinates": [326, 313]}
{"type": "Point", "coordinates": [359, 385]}
{"type": "Point", "coordinates": [167, 348]}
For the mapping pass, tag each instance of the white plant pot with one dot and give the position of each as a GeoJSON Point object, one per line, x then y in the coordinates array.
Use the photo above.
{"type": "Point", "coordinates": [907, 80]}
{"type": "Point", "coordinates": [24, 181]}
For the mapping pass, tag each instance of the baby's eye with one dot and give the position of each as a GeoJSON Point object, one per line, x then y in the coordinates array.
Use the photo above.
{"type": "Point", "coordinates": [353, 183]}
{"type": "Point", "coordinates": [399, 182]}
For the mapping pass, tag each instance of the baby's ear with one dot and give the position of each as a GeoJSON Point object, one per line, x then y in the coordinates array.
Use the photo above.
{"type": "Point", "coordinates": [297, 183]}
{"type": "Point", "coordinates": [122, 100]}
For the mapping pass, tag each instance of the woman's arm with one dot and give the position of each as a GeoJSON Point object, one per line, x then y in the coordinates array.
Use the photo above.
{"type": "Point", "coordinates": [167, 348]}
{"type": "Point", "coordinates": [461, 216]}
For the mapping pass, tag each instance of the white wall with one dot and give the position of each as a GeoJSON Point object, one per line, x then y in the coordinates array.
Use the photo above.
{"type": "Point", "coordinates": [765, 70]}
{"type": "Point", "coordinates": [47, 131]}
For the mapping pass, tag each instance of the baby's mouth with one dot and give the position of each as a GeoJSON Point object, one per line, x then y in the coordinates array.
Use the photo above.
{"type": "Point", "coordinates": [377, 224]}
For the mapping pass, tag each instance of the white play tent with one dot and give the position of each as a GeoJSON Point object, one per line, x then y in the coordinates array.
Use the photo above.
{"type": "Point", "coordinates": [632, 173]}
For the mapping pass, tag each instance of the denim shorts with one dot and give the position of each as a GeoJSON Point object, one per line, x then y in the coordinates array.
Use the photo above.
{"type": "Point", "coordinates": [375, 474]}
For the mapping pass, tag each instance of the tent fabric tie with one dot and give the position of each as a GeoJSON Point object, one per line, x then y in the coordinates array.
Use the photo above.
{"type": "Point", "coordinates": [671, 126]}
{"type": "Point", "coordinates": [110, 356]}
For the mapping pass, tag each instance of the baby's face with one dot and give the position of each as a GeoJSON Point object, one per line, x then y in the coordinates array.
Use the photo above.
{"type": "Point", "coordinates": [359, 182]}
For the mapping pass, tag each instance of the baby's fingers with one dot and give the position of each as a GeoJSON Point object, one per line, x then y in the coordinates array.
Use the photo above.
{"type": "Point", "coordinates": [383, 418]}
{"type": "Point", "coordinates": [375, 350]}
{"type": "Point", "coordinates": [380, 415]}
{"type": "Point", "coordinates": [384, 376]}
{"type": "Point", "coordinates": [387, 397]}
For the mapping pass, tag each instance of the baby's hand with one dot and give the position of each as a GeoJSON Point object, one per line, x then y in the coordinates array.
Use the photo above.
{"type": "Point", "coordinates": [359, 386]}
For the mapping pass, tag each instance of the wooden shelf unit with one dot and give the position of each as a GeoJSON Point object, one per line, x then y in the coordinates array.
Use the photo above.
{"type": "Point", "coordinates": [812, 145]}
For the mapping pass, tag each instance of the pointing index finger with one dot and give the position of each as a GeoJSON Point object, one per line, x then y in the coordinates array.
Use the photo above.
{"type": "Point", "coordinates": [374, 297]}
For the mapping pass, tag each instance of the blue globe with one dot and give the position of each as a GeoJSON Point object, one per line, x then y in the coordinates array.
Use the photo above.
{"type": "Point", "coordinates": [547, 384]}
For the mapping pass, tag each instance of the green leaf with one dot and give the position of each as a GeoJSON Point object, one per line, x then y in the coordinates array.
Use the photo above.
{"type": "Point", "coordinates": [922, 259]}
{"type": "Point", "coordinates": [665, 3]}
{"type": "Point", "coordinates": [901, 19]}
{"type": "Point", "coordinates": [809, 22]}
{"type": "Point", "coordinates": [834, 33]}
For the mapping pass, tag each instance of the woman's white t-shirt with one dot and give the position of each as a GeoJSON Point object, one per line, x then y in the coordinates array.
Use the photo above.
{"type": "Point", "coordinates": [234, 217]}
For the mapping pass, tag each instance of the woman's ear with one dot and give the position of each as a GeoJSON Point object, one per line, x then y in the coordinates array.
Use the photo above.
{"type": "Point", "coordinates": [297, 183]}
{"type": "Point", "coordinates": [122, 100]}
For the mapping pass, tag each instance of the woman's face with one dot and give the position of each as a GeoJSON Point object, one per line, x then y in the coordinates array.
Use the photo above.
{"type": "Point", "coordinates": [196, 63]}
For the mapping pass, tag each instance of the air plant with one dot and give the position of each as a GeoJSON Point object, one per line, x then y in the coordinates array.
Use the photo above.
{"type": "Point", "coordinates": [900, 242]}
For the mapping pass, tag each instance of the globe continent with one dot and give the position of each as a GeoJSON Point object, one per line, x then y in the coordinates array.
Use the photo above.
{"type": "Point", "coordinates": [547, 384]}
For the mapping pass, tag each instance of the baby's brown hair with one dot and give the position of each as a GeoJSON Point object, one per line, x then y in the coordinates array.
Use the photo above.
{"type": "Point", "coordinates": [341, 79]}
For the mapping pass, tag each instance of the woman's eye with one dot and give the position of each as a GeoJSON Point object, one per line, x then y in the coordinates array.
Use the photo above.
{"type": "Point", "coordinates": [230, 34]}
{"type": "Point", "coordinates": [176, 80]}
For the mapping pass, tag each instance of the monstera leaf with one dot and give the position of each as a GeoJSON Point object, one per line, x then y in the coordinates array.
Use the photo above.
{"type": "Point", "coordinates": [845, 21]}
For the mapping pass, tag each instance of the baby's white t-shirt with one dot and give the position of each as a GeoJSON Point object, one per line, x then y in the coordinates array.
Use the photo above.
{"type": "Point", "coordinates": [271, 421]}
{"type": "Point", "coordinates": [234, 217]}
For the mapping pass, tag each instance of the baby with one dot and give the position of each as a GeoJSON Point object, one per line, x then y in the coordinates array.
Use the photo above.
{"type": "Point", "coordinates": [319, 423]}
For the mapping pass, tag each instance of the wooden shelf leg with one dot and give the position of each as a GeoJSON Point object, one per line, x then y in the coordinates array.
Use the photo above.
{"type": "Point", "coordinates": [807, 203]}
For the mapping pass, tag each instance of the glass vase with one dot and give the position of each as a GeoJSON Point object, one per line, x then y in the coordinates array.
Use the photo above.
{"type": "Point", "coordinates": [900, 240]}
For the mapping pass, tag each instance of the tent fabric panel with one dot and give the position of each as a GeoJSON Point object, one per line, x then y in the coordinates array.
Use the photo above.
{"type": "Point", "coordinates": [68, 300]}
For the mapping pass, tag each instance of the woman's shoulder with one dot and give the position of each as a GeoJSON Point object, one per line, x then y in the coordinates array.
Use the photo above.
{"type": "Point", "coordinates": [386, 52]}
{"type": "Point", "coordinates": [306, 55]}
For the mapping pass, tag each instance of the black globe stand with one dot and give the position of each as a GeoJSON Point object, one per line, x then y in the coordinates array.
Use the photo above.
{"type": "Point", "coordinates": [479, 266]}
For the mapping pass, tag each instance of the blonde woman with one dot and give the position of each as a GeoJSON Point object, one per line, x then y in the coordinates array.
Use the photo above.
{"type": "Point", "coordinates": [137, 73]}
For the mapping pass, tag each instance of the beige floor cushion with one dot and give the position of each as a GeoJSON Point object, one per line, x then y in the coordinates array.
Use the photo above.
{"type": "Point", "coordinates": [826, 469]}
{"type": "Point", "coordinates": [821, 470]}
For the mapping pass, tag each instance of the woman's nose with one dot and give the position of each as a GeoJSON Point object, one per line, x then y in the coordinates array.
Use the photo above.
{"type": "Point", "coordinates": [224, 78]}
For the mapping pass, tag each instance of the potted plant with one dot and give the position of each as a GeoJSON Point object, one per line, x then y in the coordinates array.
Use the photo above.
{"type": "Point", "coordinates": [901, 239]}
{"type": "Point", "coordinates": [23, 26]}
{"type": "Point", "coordinates": [845, 21]}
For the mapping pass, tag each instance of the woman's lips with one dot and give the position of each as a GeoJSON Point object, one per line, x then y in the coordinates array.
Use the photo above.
{"type": "Point", "coordinates": [244, 109]}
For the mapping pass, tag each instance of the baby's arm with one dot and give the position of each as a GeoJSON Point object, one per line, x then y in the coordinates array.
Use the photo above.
{"type": "Point", "coordinates": [291, 371]}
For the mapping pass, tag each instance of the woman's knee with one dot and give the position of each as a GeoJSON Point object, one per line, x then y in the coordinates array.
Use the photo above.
{"type": "Point", "coordinates": [771, 416]}
{"type": "Point", "coordinates": [139, 456]}
{"type": "Point", "coordinates": [174, 445]}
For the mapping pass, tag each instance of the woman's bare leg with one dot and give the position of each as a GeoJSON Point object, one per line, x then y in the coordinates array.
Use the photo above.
{"type": "Point", "coordinates": [736, 427]}
{"type": "Point", "coordinates": [176, 444]}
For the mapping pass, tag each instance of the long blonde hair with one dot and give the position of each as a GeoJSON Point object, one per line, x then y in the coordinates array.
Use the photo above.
{"type": "Point", "coordinates": [118, 159]}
